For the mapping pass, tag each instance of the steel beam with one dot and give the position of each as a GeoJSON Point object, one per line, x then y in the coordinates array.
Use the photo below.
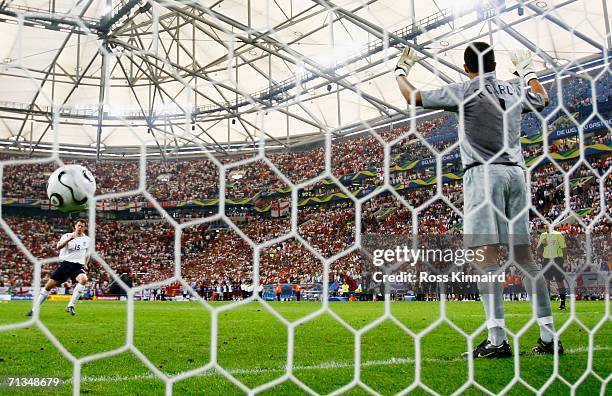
{"type": "Point", "coordinates": [39, 18]}
{"type": "Point", "coordinates": [101, 99]}
{"type": "Point", "coordinates": [565, 26]}
{"type": "Point", "coordinates": [181, 46]}
{"type": "Point", "coordinates": [318, 70]}
{"type": "Point", "coordinates": [147, 57]}
{"type": "Point", "coordinates": [288, 23]}
{"type": "Point", "coordinates": [380, 33]}
{"type": "Point", "coordinates": [74, 87]}
{"type": "Point", "coordinates": [48, 73]}
{"type": "Point", "coordinates": [512, 32]}
{"type": "Point", "coordinates": [231, 110]}
{"type": "Point", "coordinates": [604, 4]}
{"type": "Point", "coordinates": [108, 20]}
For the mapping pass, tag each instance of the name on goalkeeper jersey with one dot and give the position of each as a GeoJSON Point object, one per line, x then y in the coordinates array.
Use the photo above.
{"type": "Point", "coordinates": [458, 277]}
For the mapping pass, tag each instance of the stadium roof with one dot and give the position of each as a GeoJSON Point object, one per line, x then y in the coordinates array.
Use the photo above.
{"type": "Point", "coordinates": [176, 74]}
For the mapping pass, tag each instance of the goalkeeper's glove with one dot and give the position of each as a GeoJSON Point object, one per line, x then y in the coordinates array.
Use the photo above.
{"type": "Point", "coordinates": [405, 62]}
{"type": "Point", "coordinates": [521, 59]}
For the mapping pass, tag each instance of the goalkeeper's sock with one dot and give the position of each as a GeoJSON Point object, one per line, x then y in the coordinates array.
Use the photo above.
{"type": "Point", "coordinates": [536, 288]}
{"type": "Point", "coordinates": [491, 294]}
{"type": "Point", "coordinates": [76, 293]}
{"type": "Point", "coordinates": [42, 297]}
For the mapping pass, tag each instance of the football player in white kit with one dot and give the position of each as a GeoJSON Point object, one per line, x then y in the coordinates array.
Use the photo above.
{"type": "Point", "coordinates": [73, 264]}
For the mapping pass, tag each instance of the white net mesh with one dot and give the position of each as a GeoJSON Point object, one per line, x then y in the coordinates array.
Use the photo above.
{"type": "Point", "coordinates": [374, 168]}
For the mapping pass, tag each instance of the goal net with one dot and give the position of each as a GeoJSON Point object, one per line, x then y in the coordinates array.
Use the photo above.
{"type": "Point", "coordinates": [259, 154]}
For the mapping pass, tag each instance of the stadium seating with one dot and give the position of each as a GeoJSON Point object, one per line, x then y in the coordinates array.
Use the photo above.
{"type": "Point", "coordinates": [213, 254]}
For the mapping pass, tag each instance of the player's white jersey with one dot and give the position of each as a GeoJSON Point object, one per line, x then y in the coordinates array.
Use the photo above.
{"type": "Point", "coordinates": [75, 251]}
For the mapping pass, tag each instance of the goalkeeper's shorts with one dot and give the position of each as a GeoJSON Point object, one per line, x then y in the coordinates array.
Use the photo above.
{"type": "Point", "coordinates": [495, 206]}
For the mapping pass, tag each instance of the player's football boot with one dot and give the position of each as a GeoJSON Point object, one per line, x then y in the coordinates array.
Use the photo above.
{"type": "Point", "coordinates": [70, 310]}
{"type": "Point", "coordinates": [547, 348]}
{"type": "Point", "coordinates": [489, 351]}
{"type": "Point", "coordinates": [30, 313]}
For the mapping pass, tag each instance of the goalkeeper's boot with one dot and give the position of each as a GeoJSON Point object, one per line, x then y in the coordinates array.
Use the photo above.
{"type": "Point", "coordinates": [547, 348]}
{"type": "Point", "coordinates": [30, 313]}
{"type": "Point", "coordinates": [70, 310]}
{"type": "Point", "coordinates": [489, 351]}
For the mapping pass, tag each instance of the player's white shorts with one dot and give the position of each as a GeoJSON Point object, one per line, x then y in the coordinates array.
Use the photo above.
{"type": "Point", "coordinates": [502, 187]}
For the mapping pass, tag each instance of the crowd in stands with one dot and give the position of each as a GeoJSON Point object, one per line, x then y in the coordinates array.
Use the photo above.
{"type": "Point", "coordinates": [214, 254]}
{"type": "Point", "coordinates": [218, 254]}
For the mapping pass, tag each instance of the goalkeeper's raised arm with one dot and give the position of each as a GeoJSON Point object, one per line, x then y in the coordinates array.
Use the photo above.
{"type": "Point", "coordinates": [521, 59]}
{"type": "Point", "coordinates": [523, 68]}
{"type": "Point", "coordinates": [406, 61]}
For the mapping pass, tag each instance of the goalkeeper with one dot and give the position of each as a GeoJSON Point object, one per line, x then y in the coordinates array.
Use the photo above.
{"type": "Point", "coordinates": [496, 199]}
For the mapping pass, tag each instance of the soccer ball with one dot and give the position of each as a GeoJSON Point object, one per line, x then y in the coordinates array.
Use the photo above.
{"type": "Point", "coordinates": [69, 186]}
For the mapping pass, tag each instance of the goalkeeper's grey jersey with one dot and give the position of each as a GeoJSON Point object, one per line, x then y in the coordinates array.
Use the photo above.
{"type": "Point", "coordinates": [483, 115]}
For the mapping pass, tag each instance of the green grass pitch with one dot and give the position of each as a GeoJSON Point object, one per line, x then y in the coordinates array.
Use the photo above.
{"type": "Point", "coordinates": [252, 346]}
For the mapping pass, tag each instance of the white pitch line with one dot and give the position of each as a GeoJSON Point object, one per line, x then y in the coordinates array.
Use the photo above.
{"type": "Point", "coordinates": [322, 366]}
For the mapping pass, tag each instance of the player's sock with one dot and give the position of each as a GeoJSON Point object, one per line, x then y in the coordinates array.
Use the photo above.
{"type": "Point", "coordinates": [491, 294]}
{"type": "Point", "coordinates": [42, 297]}
{"type": "Point", "coordinates": [536, 287]}
{"type": "Point", "coordinates": [562, 296]}
{"type": "Point", "coordinates": [76, 293]}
